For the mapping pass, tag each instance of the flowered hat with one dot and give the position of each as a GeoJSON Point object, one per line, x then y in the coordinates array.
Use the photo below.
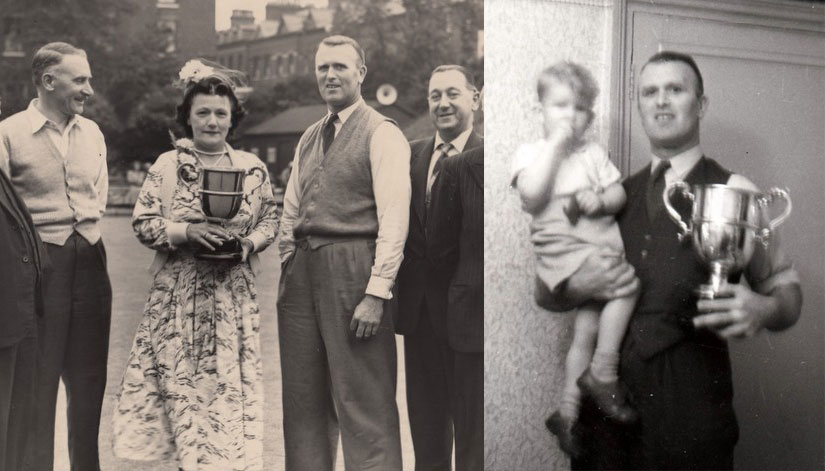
{"type": "Point", "coordinates": [196, 70]}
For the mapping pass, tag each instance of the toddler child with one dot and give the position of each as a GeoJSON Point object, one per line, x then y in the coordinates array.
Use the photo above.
{"type": "Point", "coordinates": [572, 191]}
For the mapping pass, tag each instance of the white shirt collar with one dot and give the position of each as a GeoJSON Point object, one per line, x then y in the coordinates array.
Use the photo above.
{"type": "Point", "coordinates": [344, 114]}
{"type": "Point", "coordinates": [458, 143]}
{"type": "Point", "coordinates": [37, 119]}
{"type": "Point", "coordinates": [680, 164]}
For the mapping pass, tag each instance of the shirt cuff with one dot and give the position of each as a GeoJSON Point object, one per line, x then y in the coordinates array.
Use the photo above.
{"type": "Point", "coordinates": [380, 287]}
{"type": "Point", "coordinates": [176, 232]}
{"type": "Point", "coordinates": [258, 240]}
{"type": "Point", "coordinates": [285, 249]}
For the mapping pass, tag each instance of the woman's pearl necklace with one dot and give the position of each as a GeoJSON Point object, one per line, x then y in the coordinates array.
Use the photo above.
{"type": "Point", "coordinates": [200, 154]}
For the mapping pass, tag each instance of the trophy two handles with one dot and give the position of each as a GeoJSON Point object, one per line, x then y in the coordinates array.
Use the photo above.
{"type": "Point", "coordinates": [188, 174]}
{"type": "Point", "coordinates": [261, 176]}
{"type": "Point", "coordinates": [768, 199]}
{"type": "Point", "coordinates": [684, 189]}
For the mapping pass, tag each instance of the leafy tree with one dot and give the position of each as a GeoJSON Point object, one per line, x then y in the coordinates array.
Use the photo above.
{"type": "Point", "coordinates": [93, 26]}
{"type": "Point", "coordinates": [130, 72]}
{"type": "Point", "coordinates": [267, 102]}
{"type": "Point", "coordinates": [403, 49]}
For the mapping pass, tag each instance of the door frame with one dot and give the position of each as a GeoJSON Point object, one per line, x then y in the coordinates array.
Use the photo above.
{"type": "Point", "coordinates": [785, 14]}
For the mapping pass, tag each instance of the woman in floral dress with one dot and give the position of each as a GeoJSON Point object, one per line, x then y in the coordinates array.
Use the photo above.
{"type": "Point", "coordinates": [192, 390]}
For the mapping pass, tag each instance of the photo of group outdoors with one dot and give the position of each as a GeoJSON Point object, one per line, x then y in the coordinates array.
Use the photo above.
{"type": "Point", "coordinates": [249, 235]}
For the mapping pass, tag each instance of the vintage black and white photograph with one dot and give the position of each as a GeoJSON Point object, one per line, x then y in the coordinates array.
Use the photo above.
{"type": "Point", "coordinates": [241, 235]}
{"type": "Point", "coordinates": [653, 234]}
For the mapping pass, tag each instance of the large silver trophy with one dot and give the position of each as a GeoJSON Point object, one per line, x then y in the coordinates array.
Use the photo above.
{"type": "Point", "coordinates": [221, 196]}
{"type": "Point", "coordinates": [724, 225]}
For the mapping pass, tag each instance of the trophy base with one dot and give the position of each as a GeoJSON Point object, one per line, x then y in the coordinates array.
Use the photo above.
{"type": "Point", "coordinates": [217, 256]}
{"type": "Point", "coordinates": [685, 320]}
{"type": "Point", "coordinates": [230, 250]}
{"type": "Point", "coordinates": [709, 292]}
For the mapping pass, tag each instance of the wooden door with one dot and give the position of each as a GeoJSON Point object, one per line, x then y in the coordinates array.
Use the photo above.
{"type": "Point", "coordinates": [763, 64]}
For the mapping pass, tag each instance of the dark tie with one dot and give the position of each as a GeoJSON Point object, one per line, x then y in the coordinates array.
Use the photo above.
{"type": "Point", "coordinates": [329, 131]}
{"type": "Point", "coordinates": [655, 189]}
{"type": "Point", "coordinates": [443, 148]}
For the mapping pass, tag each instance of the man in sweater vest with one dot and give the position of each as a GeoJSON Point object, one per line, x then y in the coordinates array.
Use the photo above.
{"type": "Point", "coordinates": [442, 393]}
{"type": "Point", "coordinates": [56, 160]}
{"type": "Point", "coordinates": [341, 242]}
{"type": "Point", "coordinates": [21, 272]}
{"type": "Point", "coordinates": [674, 358]}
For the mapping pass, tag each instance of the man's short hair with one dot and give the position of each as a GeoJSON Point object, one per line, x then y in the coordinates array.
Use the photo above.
{"type": "Point", "coordinates": [673, 56]}
{"type": "Point", "coordinates": [49, 55]}
{"type": "Point", "coordinates": [340, 40]}
{"type": "Point", "coordinates": [471, 83]}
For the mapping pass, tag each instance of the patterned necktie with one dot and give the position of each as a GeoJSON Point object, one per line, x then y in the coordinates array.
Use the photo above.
{"type": "Point", "coordinates": [329, 131]}
{"type": "Point", "coordinates": [655, 189]}
{"type": "Point", "coordinates": [444, 149]}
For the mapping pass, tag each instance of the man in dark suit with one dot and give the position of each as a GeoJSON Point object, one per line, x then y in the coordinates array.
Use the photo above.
{"type": "Point", "coordinates": [456, 229]}
{"type": "Point", "coordinates": [433, 369]}
{"type": "Point", "coordinates": [20, 298]}
{"type": "Point", "coordinates": [674, 358]}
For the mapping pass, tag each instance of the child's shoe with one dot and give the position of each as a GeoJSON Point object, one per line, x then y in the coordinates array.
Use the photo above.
{"type": "Point", "coordinates": [610, 397]}
{"type": "Point", "coordinates": [562, 428]}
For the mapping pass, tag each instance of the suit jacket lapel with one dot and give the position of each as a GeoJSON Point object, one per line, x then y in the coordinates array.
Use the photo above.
{"type": "Point", "coordinates": [419, 178]}
{"type": "Point", "coordinates": [475, 140]}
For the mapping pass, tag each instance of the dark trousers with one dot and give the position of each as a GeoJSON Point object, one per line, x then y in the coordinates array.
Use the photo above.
{"type": "Point", "coordinates": [329, 377]}
{"type": "Point", "coordinates": [445, 398]}
{"type": "Point", "coordinates": [684, 398]}
{"type": "Point", "coordinates": [74, 344]}
{"type": "Point", "coordinates": [18, 367]}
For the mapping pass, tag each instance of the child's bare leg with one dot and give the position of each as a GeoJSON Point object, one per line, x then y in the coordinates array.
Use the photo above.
{"type": "Point", "coordinates": [612, 328]}
{"type": "Point", "coordinates": [585, 331]}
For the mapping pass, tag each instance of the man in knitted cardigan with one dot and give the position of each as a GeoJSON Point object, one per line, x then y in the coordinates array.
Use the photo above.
{"type": "Point", "coordinates": [342, 234]}
{"type": "Point", "coordinates": [56, 160]}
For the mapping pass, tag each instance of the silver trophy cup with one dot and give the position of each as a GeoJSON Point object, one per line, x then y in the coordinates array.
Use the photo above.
{"type": "Point", "coordinates": [724, 225]}
{"type": "Point", "coordinates": [221, 196]}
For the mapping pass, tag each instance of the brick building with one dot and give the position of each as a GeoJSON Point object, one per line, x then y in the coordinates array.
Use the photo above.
{"type": "Point", "coordinates": [189, 25]}
{"type": "Point", "coordinates": [276, 49]}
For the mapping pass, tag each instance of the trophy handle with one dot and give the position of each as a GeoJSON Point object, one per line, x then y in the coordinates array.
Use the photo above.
{"type": "Point", "coordinates": [188, 174]}
{"type": "Point", "coordinates": [261, 177]}
{"type": "Point", "coordinates": [767, 199]}
{"type": "Point", "coordinates": [683, 188]}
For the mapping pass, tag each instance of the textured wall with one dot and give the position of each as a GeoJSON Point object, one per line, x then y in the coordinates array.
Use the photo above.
{"type": "Point", "coordinates": [525, 346]}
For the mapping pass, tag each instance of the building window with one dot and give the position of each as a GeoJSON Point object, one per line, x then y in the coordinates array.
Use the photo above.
{"type": "Point", "coordinates": [12, 45]}
{"type": "Point", "coordinates": [271, 155]}
{"type": "Point", "coordinates": [265, 69]}
{"type": "Point", "coordinates": [255, 151]}
{"type": "Point", "coordinates": [273, 66]}
{"type": "Point", "coordinates": [292, 63]}
{"type": "Point", "coordinates": [168, 31]}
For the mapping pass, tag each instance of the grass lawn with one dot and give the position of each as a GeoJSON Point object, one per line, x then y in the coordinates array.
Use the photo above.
{"type": "Point", "coordinates": [128, 262]}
